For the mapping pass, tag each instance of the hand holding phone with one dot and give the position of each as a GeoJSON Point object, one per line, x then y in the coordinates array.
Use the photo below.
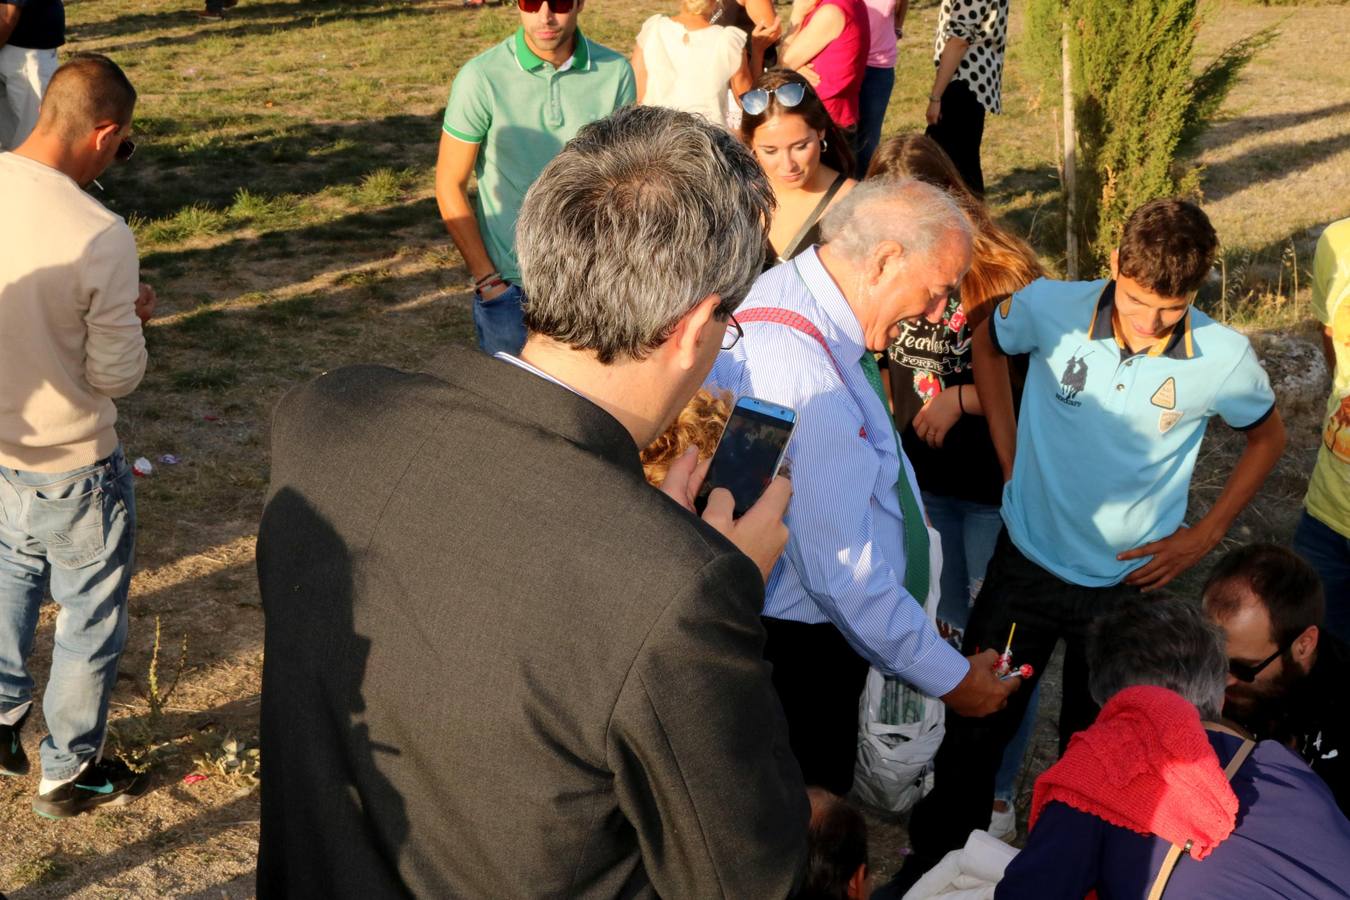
{"type": "Point", "coordinates": [760, 534]}
{"type": "Point", "coordinates": [749, 453]}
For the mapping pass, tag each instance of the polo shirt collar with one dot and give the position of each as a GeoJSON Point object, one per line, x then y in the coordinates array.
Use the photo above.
{"type": "Point", "coordinates": [527, 60]}
{"type": "Point", "coordinates": [842, 330]}
{"type": "Point", "coordinates": [1180, 342]}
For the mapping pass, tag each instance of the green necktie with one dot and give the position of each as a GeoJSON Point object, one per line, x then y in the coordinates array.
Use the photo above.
{"type": "Point", "coordinates": [916, 531]}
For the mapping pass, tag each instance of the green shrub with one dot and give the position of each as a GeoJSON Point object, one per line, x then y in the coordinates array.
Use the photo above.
{"type": "Point", "coordinates": [1138, 103]}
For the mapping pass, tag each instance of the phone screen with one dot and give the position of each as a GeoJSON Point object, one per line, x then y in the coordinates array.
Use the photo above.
{"type": "Point", "coordinates": [749, 452]}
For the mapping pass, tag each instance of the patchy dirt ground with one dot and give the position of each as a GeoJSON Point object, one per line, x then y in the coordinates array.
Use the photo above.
{"type": "Point", "coordinates": [282, 203]}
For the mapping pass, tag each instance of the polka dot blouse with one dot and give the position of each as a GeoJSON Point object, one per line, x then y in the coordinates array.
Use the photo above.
{"type": "Point", "coordinates": [984, 24]}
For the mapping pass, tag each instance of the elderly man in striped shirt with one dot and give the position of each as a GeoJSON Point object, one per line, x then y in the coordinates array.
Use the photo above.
{"type": "Point", "coordinates": [849, 590]}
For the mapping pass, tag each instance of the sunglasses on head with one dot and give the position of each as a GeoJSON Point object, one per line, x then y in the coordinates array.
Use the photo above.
{"type": "Point", "coordinates": [125, 149]}
{"type": "Point", "coordinates": [756, 101]}
{"type": "Point", "coordinates": [558, 6]}
{"type": "Point", "coordinates": [1247, 673]}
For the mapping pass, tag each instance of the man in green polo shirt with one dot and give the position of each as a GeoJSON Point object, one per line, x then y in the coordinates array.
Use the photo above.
{"type": "Point", "coordinates": [511, 109]}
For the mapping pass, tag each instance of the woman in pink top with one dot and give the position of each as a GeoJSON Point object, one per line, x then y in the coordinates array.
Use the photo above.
{"type": "Point", "coordinates": [830, 43]}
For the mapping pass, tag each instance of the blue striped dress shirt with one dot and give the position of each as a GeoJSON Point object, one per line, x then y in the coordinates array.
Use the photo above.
{"type": "Point", "coordinates": [845, 560]}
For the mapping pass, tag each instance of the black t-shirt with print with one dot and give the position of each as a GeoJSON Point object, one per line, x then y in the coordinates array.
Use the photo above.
{"type": "Point", "coordinates": [928, 358]}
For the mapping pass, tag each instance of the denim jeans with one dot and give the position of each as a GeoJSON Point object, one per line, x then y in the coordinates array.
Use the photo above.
{"type": "Point", "coordinates": [875, 96]}
{"type": "Point", "coordinates": [969, 532]}
{"type": "Point", "coordinates": [500, 322]}
{"type": "Point", "coordinates": [1328, 551]}
{"type": "Point", "coordinates": [73, 533]}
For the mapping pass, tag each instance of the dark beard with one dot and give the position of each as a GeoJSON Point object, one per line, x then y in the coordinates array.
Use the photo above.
{"type": "Point", "coordinates": [1268, 714]}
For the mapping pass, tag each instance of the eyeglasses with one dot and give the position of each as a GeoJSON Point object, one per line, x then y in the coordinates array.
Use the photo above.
{"type": "Point", "coordinates": [756, 101]}
{"type": "Point", "coordinates": [733, 333]}
{"type": "Point", "coordinates": [558, 6]}
{"type": "Point", "coordinates": [1247, 673]}
{"type": "Point", "coordinates": [125, 149]}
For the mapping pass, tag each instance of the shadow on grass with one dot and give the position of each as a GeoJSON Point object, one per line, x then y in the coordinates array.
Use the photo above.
{"type": "Point", "coordinates": [244, 20]}
{"type": "Point", "coordinates": [105, 867]}
{"type": "Point", "coordinates": [1229, 130]}
{"type": "Point", "coordinates": [1267, 163]}
{"type": "Point", "coordinates": [293, 159]}
{"type": "Point", "coordinates": [355, 237]}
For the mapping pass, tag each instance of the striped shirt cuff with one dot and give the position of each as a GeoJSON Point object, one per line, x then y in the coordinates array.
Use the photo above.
{"type": "Point", "coordinates": [938, 671]}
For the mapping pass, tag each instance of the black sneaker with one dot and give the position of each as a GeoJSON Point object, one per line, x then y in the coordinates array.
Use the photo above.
{"type": "Point", "coordinates": [13, 761]}
{"type": "Point", "coordinates": [109, 782]}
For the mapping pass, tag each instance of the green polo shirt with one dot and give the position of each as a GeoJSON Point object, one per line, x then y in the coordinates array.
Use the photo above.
{"type": "Point", "coordinates": [522, 110]}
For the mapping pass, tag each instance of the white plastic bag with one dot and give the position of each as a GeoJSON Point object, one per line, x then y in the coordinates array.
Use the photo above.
{"type": "Point", "coordinates": [899, 728]}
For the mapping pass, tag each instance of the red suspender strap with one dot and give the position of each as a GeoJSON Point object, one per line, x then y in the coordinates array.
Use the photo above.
{"type": "Point", "coordinates": [797, 322]}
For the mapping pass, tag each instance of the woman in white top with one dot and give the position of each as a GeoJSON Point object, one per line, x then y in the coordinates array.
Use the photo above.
{"type": "Point", "coordinates": [685, 62]}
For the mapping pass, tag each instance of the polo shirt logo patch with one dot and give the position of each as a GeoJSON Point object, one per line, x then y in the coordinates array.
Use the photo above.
{"type": "Point", "coordinates": [1166, 395]}
{"type": "Point", "coordinates": [1072, 382]}
{"type": "Point", "coordinates": [1167, 419]}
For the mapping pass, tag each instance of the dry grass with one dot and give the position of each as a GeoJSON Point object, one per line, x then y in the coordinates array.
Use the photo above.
{"type": "Point", "coordinates": [282, 198]}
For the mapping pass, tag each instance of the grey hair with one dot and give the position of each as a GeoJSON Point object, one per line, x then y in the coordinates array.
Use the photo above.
{"type": "Point", "coordinates": [1159, 641]}
{"type": "Point", "coordinates": [910, 212]}
{"type": "Point", "coordinates": [640, 217]}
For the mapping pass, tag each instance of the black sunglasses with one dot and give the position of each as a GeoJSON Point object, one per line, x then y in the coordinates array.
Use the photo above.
{"type": "Point", "coordinates": [789, 95]}
{"type": "Point", "coordinates": [562, 7]}
{"type": "Point", "coordinates": [1246, 672]}
{"type": "Point", "coordinates": [125, 149]}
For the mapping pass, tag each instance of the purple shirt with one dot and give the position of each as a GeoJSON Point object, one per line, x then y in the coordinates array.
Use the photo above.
{"type": "Point", "coordinates": [1290, 841]}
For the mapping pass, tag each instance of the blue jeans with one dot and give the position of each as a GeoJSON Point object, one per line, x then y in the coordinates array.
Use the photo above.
{"type": "Point", "coordinates": [969, 532]}
{"type": "Point", "coordinates": [73, 533]}
{"type": "Point", "coordinates": [877, 84]}
{"type": "Point", "coordinates": [500, 322]}
{"type": "Point", "coordinates": [1328, 551]}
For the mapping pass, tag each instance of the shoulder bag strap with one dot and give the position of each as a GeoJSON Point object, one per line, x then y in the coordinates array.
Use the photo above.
{"type": "Point", "coordinates": [816, 213]}
{"type": "Point", "coordinates": [1176, 850]}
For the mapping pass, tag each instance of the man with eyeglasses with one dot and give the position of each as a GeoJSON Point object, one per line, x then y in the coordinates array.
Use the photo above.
{"type": "Point", "coordinates": [1287, 676]}
{"type": "Point", "coordinates": [511, 109]}
{"type": "Point", "coordinates": [71, 317]}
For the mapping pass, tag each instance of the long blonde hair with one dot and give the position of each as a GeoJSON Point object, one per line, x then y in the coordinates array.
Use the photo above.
{"type": "Point", "coordinates": [1002, 263]}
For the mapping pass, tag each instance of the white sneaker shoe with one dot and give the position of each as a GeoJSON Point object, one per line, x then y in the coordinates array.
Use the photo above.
{"type": "Point", "coordinates": [1003, 825]}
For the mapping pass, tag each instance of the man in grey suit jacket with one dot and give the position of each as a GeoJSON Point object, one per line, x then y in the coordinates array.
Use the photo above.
{"type": "Point", "coordinates": [498, 663]}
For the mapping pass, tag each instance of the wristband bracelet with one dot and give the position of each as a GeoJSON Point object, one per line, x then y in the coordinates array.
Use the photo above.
{"type": "Point", "coordinates": [961, 398]}
{"type": "Point", "coordinates": [489, 277]}
{"type": "Point", "coordinates": [932, 99]}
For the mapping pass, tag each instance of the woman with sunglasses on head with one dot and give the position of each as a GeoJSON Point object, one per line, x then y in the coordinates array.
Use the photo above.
{"type": "Point", "coordinates": [939, 416]}
{"type": "Point", "coordinates": [802, 151]}
{"type": "Point", "coordinates": [828, 42]}
{"type": "Point", "coordinates": [686, 62]}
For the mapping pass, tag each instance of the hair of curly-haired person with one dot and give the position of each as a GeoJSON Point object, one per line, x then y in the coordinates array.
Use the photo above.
{"type": "Point", "coordinates": [699, 425]}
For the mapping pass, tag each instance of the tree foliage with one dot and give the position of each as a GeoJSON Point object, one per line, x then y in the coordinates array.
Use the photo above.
{"type": "Point", "coordinates": [1139, 104]}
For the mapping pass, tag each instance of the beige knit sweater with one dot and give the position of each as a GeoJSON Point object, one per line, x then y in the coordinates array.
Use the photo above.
{"type": "Point", "coordinates": [69, 337]}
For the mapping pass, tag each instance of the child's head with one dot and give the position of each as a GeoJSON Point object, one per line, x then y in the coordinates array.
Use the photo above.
{"type": "Point", "coordinates": [1167, 248]}
{"type": "Point", "coordinates": [698, 425]}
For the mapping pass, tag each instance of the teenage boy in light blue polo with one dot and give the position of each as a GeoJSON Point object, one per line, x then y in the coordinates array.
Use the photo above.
{"type": "Point", "coordinates": [1124, 375]}
{"type": "Point", "coordinates": [511, 109]}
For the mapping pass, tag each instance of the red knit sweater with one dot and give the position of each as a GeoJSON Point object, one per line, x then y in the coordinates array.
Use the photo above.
{"type": "Point", "coordinates": [1145, 765]}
